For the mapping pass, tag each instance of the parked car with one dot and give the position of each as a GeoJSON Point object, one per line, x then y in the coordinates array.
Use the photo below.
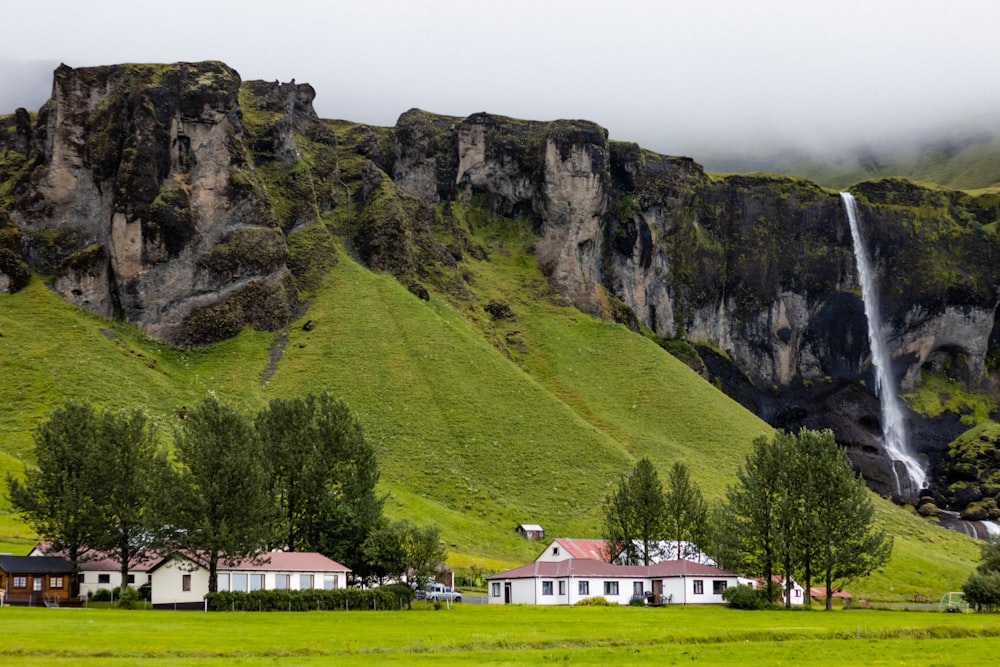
{"type": "Point", "coordinates": [438, 592]}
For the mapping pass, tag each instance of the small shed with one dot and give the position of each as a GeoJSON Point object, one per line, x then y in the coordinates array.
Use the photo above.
{"type": "Point", "coordinates": [35, 580]}
{"type": "Point", "coordinates": [531, 531]}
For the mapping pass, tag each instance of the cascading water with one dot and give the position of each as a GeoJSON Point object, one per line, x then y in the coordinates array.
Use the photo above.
{"type": "Point", "coordinates": [893, 427]}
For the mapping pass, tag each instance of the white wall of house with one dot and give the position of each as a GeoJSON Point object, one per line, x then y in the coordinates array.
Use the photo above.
{"type": "Point", "coordinates": [553, 553]}
{"type": "Point", "coordinates": [169, 583]}
{"type": "Point", "coordinates": [92, 581]}
{"type": "Point", "coordinates": [536, 590]}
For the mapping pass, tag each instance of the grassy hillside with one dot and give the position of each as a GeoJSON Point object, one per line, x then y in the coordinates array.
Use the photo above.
{"type": "Point", "coordinates": [480, 424]}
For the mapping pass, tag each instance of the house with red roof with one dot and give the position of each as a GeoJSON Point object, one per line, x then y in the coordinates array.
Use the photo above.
{"type": "Point", "coordinates": [178, 581]}
{"type": "Point", "coordinates": [570, 570]}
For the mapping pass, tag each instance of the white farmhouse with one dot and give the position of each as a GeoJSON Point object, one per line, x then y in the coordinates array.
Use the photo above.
{"type": "Point", "coordinates": [177, 581]}
{"type": "Point", "coordinates": [571, 570]}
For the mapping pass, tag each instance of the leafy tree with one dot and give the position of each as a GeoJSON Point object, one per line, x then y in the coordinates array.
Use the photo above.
{"type": "Point", "coordinates": [325, 474]}
{"type": "Point", "coordinates": [752, 506]}
{"type": "Point", "coordinates": [634, 513]}
{"type": "Point", "coordinates": [403, 549]}
{"type": "Point", "coordinates": [982, 588]}
{"type": "Point", "coordinates": [134, 468]}
{"type": "Point", "coordinates": [221, 507]}
{"type": "Point", "coordinates": [60, 498]}
{"type": "Point", "coordinates": [685, 511]}
{"type": "Point", "coordinates": [847, 543]}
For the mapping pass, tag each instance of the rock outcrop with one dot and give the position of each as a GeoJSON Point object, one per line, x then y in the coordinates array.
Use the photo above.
{"type": "Point", "coordinates": [193, 204]}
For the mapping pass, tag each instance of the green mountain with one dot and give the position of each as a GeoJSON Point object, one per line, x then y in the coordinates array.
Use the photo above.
{"type": "Point", "coordinates": [489, 295]}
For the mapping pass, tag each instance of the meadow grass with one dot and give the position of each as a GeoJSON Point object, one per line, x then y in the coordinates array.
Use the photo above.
{"type": "Point", "coordinates": [473, 634]}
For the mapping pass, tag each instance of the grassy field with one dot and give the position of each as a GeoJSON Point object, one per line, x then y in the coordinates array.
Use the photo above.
{"type": "Point", "coordinates": [480, 635]}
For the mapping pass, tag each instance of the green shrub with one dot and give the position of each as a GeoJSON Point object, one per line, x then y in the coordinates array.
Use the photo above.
{"type": "Point", "coordinates": [102, 595]}
{"type": "Point", "coordinates": [596, 601]}
{"type": "Point", "coordinates": [742, 597]}
{"type": "Point", "coordinates": [129, 598]}
{"type": "Point", "coordinates": [343, 599]}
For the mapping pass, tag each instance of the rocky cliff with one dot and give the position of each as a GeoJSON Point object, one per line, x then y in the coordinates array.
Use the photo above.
{"type": "Point", "coordinates": [194, 204]}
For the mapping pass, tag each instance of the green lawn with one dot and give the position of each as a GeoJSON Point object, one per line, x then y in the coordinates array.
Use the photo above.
{"type": "Point", "coordinates": [471, 634]}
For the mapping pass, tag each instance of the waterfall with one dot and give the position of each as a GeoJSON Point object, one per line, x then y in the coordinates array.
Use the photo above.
{"type": "Point", "coordinates": [893, 427]}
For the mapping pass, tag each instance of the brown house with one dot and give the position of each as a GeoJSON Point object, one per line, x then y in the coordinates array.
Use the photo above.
{"type": "Point", "coordinates": [34, 580]}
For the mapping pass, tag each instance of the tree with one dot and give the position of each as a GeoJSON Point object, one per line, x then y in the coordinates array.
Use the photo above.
{"type": "Point", "coordinates": [403, 549]}
{"type": "Point", "coordinates": [133, 470]}
{"type": "Point", "coordinates": [798, 504]}
{"type": "Point", "coordinates": [982, 588]}
{"type": "Point", "coordinates": [634, 513]}
{"type": "Point", "coordinates": [847, 543]}
{"type": "Point", "coordinates": [221, 505]}
{"type": "Point", "coordinates": [752, 506]}
{"type": "Point", "coordinates": [685, 512]}
{"type": "Point", "coordinates": [325, 474]}
{"type": "Point", "coordinates": [59, 498]}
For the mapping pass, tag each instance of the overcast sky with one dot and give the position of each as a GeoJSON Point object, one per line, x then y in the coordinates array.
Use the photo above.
{"type": "Point", "coordinates": [678, 77]}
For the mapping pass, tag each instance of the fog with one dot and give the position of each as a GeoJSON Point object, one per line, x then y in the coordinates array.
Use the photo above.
{"type": "Point", "coordinates": [677, 77]}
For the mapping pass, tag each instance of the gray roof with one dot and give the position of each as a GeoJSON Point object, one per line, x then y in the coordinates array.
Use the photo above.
{"type": "Point", "coordinates": [35, 565]}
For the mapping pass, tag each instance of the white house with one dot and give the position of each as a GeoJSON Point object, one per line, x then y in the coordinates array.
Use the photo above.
{"type": "Point", "coordinates": [569, 570]}
{"type": "Point", "coordinates": [177, 581]}
{"type": "Point", "coordinates": [798, 593]}
{"type": "Point", "coordinates": [98, 571]}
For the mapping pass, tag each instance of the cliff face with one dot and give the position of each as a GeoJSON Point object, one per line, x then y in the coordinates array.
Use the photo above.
{"type": "Point", "coordinates": [141, 200]}
{"type": "Point", "coordinates": [193, 204]}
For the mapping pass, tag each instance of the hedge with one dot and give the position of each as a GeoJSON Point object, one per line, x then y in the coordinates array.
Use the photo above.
{"type": "Point", "coordinates": [338, 599]}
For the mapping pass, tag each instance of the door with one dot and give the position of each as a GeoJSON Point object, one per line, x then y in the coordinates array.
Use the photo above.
{"type": "Point", "coordinates": [506, 593]}
{"type": "Point", "coordinates": [657, 590]}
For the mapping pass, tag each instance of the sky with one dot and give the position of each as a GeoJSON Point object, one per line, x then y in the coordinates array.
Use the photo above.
{"type": "Point", "coordinates": [676, 77]}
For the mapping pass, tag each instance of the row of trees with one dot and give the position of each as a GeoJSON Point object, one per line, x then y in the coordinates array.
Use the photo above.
{"type": "Point", "coordinates": [644, 523]}
{"type": "Point", "coordinates": [298, 475]}
{"type": "Point", "coordinates": [797, 509]}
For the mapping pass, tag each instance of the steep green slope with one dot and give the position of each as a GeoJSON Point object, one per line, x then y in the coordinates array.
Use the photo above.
{"type": "Point", "coordinates": [480, 423]}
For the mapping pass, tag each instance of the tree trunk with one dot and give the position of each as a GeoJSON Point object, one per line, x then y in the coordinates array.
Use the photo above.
{"type": "Point", "coordinates": [213, 572]}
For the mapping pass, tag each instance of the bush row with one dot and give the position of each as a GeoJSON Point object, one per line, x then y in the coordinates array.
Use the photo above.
{"type": "Point", "coordinates": [349, 599]}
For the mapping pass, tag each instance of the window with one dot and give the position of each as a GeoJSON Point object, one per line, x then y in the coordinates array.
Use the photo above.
{"type": "Point", "coordinates": [636, 588]}
{"type": "Point", "coordinates": [55, 582]}
{"type": "Point", "coordinates": [329, 581]}
{"type": "Point", "coordinates": [36, 584]}
{"type": "Point", "coordinates": [546, 588]}
{"type": "Point", "coordinates": [104, 578]}
{"type": "Point", "coordinates": [131, 578]}
{"type": "Point", "coordinates": [699, 587]}
{"type": "Point", "coordinates": [584, 588]}
{"type": "Point", "coordinates": [185, 582]}
{"type": "Point", "coordinates": [495, 589]}
{"type": "Point", "coordinates": [256, 582]}
{"type": "Point", "coordinates": [718, 586]}
{"type": "Point", "coordinates": [282, 581]}
{"type": "Point", "coordinates": [562, 588]}
{"type": "Point", "coordinates": [223, 584]}
{"type": "Point", "coordinates": [555, 551]}
{"type": "Point", "coordinates": [239, 580]}
{"type": "Point", "coordinates": [20, 582]}
{"type": "Point", "coordinates": [797, 592]}
{"type": "Point", "coordinates": [305, 582]}
{"type": "Point", "coordinates": [611, 588]}
{"type": "Point", "coordinates": [80, 578]}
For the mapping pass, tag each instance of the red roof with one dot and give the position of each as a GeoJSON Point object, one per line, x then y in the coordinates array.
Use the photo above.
{"type": "Point", "coordinates": [579, 548]}
{"type": "Point", "coordinates": [820, 592]}
{"type": "Point", "coordinates": [588, 567]}
{"type": "Point", "coordinates": [99, 561]}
